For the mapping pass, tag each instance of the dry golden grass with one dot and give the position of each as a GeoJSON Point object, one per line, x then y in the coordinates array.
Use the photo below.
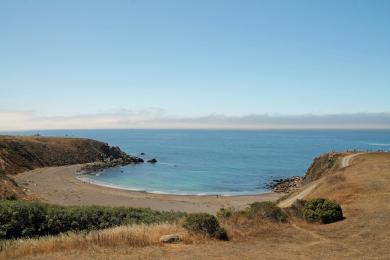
{"type": "Point", "coordinates": [239, 227]}
{"type": "Point", "coordinates": [132, 236]}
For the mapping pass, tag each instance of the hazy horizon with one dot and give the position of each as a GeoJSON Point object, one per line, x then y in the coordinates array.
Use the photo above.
{"type": "Point", "coordinates": [194, 65]}
{"type": "Point", "coordinates": [149, 120]}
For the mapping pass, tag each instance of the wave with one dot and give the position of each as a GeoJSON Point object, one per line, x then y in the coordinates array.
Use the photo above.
{"type": "Point", "coordinates": [85, 179]}
{"type": "Point", "coordinates": [379, 144]}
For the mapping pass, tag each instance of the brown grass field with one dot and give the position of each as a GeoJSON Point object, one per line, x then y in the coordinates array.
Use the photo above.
{"type": "Point", "coordinates": [363, 190]}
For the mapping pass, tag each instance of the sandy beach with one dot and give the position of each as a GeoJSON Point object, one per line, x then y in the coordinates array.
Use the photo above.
{"type": "Point", "coordinates": [59, 185]}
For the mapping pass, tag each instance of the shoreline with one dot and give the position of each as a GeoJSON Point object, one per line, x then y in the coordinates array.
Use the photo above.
{"type": "Point", "coordinates": [81, 177]}
{"type": "Point", "coordinates": [61, 185]}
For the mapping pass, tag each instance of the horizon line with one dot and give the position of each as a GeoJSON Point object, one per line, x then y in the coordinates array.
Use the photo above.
{"type": "Point", "coordinates": [4, 132]}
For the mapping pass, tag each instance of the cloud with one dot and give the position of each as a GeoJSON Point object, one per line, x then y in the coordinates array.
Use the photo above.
{"type": "Point", "coordinates": [157, 118]}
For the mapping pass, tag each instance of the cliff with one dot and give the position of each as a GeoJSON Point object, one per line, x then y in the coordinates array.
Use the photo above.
{"type": "Point", "coordinates": [22, 153]}
{"type": "Point", "coordinates": [322, 165]}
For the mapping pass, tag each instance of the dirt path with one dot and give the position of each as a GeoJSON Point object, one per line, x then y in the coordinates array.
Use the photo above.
{"type": "Point", "coordinates": [345, 162]}
{"type": "Point", "coordinates": [289, 201]}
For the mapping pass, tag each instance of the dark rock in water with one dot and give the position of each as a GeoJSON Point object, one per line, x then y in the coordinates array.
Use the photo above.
{"type": "Point", "coordinates": [142, 153]}
{"type": "Point", "coordinates": [138, 160]}
{"type": "Point", "coordinates": [152, 160]}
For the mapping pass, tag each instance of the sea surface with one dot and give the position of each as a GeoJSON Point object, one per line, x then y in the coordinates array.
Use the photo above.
{"type": "Point", "coordinates": [202, 162]}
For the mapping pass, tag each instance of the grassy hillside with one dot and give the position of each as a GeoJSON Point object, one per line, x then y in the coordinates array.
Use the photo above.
{"type": "Point", "coordinates": [21, 153]}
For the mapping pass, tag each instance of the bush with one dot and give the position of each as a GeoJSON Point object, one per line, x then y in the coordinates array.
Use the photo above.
{"type": "Point", "coordinates": [322, 210]}
{"type": "Point", "coordinates": [28, 219]}
{"type": "Point", "coordinates": [225, 213]}
{"type": "Point", "coordinates": [204, 223]}
{"type": "Point", "coordinates": [221, 234]}
{"type": "Point", "coordinates": [201, 223]}
{"type": "Point", "coordinates": [268, 210]}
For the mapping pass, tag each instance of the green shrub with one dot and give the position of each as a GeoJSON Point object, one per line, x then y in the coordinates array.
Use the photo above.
{"type": "Point", "coordinates": [221, 234]}
{"type": "Point", "coordinates": [322, 210]}
{"type": "Point", "coordinates": [28, 219]}
{"type": "Point", "coordinates": [268, 210]}
{"type": "Point", "coordinates": [204, 223]}
{"type": "Point", "coordinates": [225, 212]}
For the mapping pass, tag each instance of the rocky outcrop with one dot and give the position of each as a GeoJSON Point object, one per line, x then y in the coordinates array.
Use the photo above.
{"type": "Point", "coordinates": [285, 185]}
{"type": "Point", "coordinates": [98, 166]}
{"type": "Point", "coordinates": [322, 165]}
{"type": "Point", "coordinates": [18, 154]}
{"type": "Point", "coordinates": [154, 160]}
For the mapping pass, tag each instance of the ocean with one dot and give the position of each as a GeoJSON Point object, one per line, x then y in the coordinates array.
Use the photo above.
{"type": "Point", "coordinates": [204, 162]}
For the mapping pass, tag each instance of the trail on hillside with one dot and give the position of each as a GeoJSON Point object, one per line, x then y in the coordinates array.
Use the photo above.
{"type": "Point", "coordinates": [345, 162]}
{"type": "Point", "coordinates": [289, 201]}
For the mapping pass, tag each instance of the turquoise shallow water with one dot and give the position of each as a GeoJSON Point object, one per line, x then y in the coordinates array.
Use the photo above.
{"type": "Point", "coordinates": [220, 162]}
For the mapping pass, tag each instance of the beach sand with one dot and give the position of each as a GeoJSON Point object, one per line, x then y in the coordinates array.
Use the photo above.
{"type": "Point", "coordinates": [59, 185]}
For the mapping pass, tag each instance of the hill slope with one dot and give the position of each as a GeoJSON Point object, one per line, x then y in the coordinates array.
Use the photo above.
{"type": "Point", "coordinates": [22, 153]}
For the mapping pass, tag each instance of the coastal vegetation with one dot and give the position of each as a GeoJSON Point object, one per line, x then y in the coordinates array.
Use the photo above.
{"type": "Point", "coordinates": [265, 210]}
{"type": "Point", "coordinates": [30, 219]}
{"type": "Point", "coordinates": [138, 235]}
{"type": "Point", "coordinates": [319, 210]}
{"type": "Point", "coordinates": [322, 210]}
{"type": "Point", "coordinates": [205, 223]}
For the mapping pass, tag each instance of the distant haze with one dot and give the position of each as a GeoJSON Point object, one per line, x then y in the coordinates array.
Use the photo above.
{"type": "Point", "coordinates": [151, 119]}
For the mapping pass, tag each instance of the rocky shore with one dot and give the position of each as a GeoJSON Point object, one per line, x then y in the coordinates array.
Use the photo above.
{"type": "Point", "coordinates": [108, 163]}
{"type": "Point", "coordinates": [285, 185]}
{"type": "Point", "coordinates": [116, 158]}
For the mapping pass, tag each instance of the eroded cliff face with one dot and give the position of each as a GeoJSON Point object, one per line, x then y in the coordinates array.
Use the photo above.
{"type": "Point", "coordinates": [18, 154]}
{"type": "Point", "coordinates": [322, 165]}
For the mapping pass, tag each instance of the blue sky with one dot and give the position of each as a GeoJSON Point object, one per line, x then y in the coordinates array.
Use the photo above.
{"type": "Point", "coordinates": [192, 59]}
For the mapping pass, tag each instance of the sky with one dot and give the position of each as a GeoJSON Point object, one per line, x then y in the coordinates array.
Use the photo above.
{"type": "Point", "coordinates": [194, 64]}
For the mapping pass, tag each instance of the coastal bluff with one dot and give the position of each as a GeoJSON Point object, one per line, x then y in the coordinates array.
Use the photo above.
{"type": "Point", "coordinates": [23, 153]}
{"type": "Point", "coordinates": [323, 165]}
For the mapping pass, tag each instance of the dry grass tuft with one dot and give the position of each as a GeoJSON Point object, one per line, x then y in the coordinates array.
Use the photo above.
{"type": "Point", "coordinates": [134, 236]}
{"type": "Point", "coordinates": [335, 179]}
{"type": "Point", "coordinates": [240, 227]}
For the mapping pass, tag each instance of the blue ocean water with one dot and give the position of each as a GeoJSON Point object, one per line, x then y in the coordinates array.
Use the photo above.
{"type": "Point", "coordinates": [220, 162]}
